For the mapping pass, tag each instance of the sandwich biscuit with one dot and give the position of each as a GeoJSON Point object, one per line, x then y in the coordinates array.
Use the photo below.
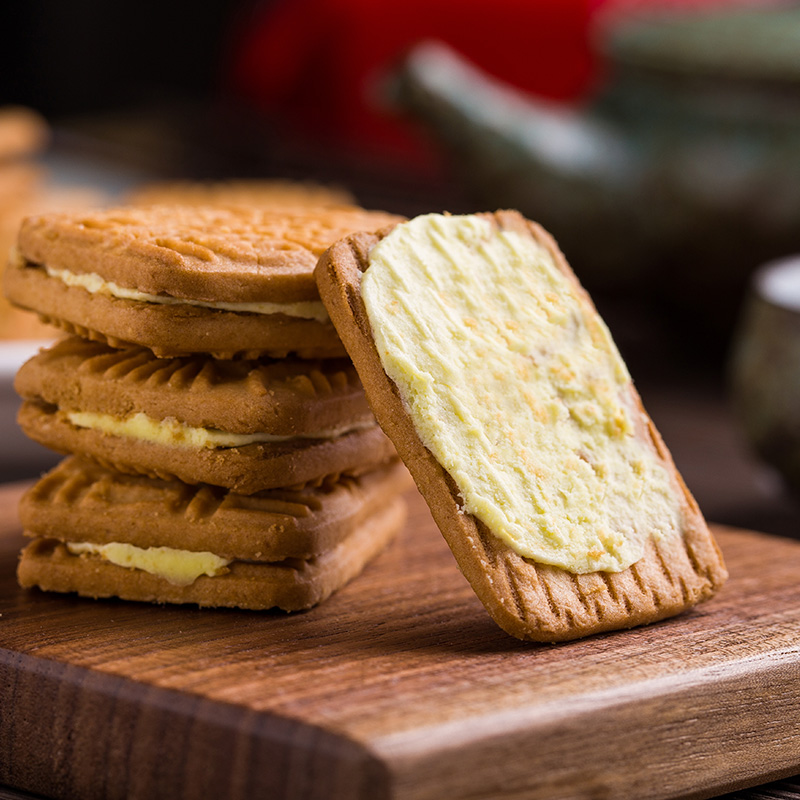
{"type": "Point", "coordinates": [102, 534]}
{"type": "Point", "coordinates": [229, 282]}
{"type": "Point", "coordinates": [242, 425]}
{"type": "Point", "coordinates": [81, 501]}
{"type": "Point", "coordinates": [486, 363]}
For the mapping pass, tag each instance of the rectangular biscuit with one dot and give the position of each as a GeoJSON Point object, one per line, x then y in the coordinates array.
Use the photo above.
{"type": "Point", "coordinates": [79, 500]}
{"type": "Point", "coordinates": [243, 425]}
{"type": "Point", "coordinates": [102, 534]}
{"type": "Point", "coordinates": [557, 595]}
{"type": "Point", "coordinates": [291, 584]}
{"type": "Point", "coordinates": [230, 282]}
{"type": "Point", "coordinates": [283, 397]}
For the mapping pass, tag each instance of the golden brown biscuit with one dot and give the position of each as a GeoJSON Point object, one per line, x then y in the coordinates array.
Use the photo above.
{"type": "Point", "coordinates": [180, 280]}
{"type": "Point", "coordinates": [529, 599]}
{"type": "Point", "coordinates": [284, 397]}
{"type": "Point", "coordinates": [80, 501]}
{"type": "Point", "coordinates": [292, 584]}
{"type": "Point", "coordinates": [243, 425]}
{"type": "Point", "coordinates": [260, 193]}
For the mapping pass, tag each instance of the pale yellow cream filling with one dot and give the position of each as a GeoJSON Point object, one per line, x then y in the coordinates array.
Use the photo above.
{"type": "Point", "coordinates": [181, 567]}
{"type": "Point", "coordinates": [172, 432]}
{"type": "Point", "coordinates": [515, 386]}
{"type": "Point", "coordinates": [95, 284]}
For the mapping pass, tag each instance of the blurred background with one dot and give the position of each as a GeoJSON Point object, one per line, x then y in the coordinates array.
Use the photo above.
{"type": "Point", "coordinates": [658, 141]}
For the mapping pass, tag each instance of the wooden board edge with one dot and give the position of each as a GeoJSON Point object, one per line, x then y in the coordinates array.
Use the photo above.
{"type": "Point", "coordinates": [703, 741]}
{"type": "Point", "coordinates": [76, 732]}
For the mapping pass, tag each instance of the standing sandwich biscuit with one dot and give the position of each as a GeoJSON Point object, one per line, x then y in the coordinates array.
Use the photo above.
{"type": "Point", "coordinates": [229, 282]}
{"type": "Point", "coordinates": [486, 363]}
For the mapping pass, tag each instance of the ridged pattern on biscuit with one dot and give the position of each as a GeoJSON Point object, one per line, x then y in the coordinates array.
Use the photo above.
{"type": "Point", "coordinates": [558, 604]}
{"type": "Point", "coordinates": [203, 253]}
{"type": "Point", "coordinates": [80, 500]}
{"type": "Point", "coordinates": [286, 397]}
{"type": "Point", "coordinates": [83, 484]}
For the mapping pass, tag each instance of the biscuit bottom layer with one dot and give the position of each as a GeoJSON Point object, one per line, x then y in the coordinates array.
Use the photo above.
{"type": "Point", "coordinates": [95, 284]}
{"type": "Point", "coordinates": [245, 470]}
{"type": "Point", "coordinates": [291, 585]}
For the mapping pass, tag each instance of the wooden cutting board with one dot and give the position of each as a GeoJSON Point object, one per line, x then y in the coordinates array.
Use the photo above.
{"type": "Point", "coordinates": [400, 686]}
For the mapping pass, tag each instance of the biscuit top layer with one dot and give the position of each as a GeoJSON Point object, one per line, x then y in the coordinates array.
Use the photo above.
{"type": "Point", "coordinates": [513, 383]}
{"type": "Point", "coordinates": [234, 255]}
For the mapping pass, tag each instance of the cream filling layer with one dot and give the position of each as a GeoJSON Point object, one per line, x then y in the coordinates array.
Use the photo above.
{"type": "Point", "coordinates": [181, 567]}
{"type": "Point", "coordinates": [95, 284]}
{"type": "Point", "coordinates": [515, 386]}
{"type": "Point", "coordinates": [177, 434]}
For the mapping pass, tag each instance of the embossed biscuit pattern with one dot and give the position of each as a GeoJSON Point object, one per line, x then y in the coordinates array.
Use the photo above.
{"type": "Point", "coordinates": [82, 501]}
{"type": "Point", "coordinates": [202, 253]}
{"type": "Point", "coordinates": [285, 398]}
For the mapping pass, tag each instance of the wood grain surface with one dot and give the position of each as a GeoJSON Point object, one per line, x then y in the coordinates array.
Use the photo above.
{"type": "Point", "coordinates": [399, 687]}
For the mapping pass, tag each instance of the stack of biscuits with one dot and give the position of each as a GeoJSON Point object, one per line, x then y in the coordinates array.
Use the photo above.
{"type": "Point", "coordinates": [220, 449]}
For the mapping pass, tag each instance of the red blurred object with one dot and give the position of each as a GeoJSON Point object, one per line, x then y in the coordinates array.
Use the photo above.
{"type": "Point", "coordinates": [319, 63]}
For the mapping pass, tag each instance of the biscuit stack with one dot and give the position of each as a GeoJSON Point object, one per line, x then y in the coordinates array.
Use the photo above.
{"type": "Point", "coordinates": [221, 449]}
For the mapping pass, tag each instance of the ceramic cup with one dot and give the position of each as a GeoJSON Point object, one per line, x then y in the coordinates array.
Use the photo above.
{"type": "Point", "coordinates": [765, 367]}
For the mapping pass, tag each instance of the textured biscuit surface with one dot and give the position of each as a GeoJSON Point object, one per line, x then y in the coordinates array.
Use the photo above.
{"type": "Point", "coordinates": [185, 254]}
{"type": "Point", "coordinates": [80, 501]}
{"type": "Point", "coordinates": [287, 397]}
{"type": "Point", "coordinates": [196, 253]}
{"type": "Point", "coordinates": [292, 584]}
{"type": "Point", "coordinates": [529, 600]}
